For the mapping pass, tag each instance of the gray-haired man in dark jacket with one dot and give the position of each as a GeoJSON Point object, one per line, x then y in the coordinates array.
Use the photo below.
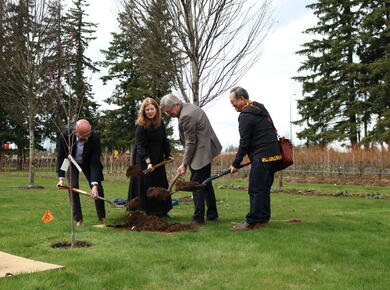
{"type": "Point", "coordinates": [258, 140]}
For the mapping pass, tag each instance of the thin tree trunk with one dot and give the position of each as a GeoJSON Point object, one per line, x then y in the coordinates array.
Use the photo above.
{"type": "Point", "coordinates": [31, 173]}
{"type": "Point", "coordinates": [194, 57]}
{"type": "Point", "coordinates": [195, 84]}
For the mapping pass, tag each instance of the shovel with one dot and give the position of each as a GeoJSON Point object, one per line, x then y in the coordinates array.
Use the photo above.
{"type": "Point", "coordinates": [134, 170]}
{"type": "Point", "coordinates": [113, 204]}
{"type": "Point", "coordinates": [223, 173]}
{"type": "Point", "coordinates": [188, 186]}
{"type": "Point", "coordinates": [162, 193]}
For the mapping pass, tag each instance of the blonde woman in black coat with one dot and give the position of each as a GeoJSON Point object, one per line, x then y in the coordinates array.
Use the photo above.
{"type": "Point", "coordinates": [151, 147]}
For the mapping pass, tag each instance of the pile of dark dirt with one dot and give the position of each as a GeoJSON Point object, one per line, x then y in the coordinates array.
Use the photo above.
{"type": "Point", "coordinates": [68, 245]}
{"type": "Point", "coordinates": [134, 203]}
{"type": "Point", "coordinates": [138, 221]}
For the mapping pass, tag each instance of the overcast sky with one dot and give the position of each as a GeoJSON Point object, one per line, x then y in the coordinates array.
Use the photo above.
{"type": "Point", "coordinates": [269, 81]}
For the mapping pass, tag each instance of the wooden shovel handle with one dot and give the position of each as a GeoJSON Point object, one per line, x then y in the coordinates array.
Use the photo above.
{"type": "Point", "coordinates": [75, 190]}
{"type": "Point", "coordinates": [146, 171]}
{"type": "Point", "coordinates": [173, 181]}
{"type": "Point", "coordinates": [86, 193]}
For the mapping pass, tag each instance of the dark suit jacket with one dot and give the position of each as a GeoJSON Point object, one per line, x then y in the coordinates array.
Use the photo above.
{"type": "Point", "coordinates": [92, 165]}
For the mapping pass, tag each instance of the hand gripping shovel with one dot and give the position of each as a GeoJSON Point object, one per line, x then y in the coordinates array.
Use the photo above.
{"type": "Point", "coordinates": [134, 170]}
{"type": "Point", "coordinates": [113, 204]}
{"type": "Point", "coordinates": [223, 173]}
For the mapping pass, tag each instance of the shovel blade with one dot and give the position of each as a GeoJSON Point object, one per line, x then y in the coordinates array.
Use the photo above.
{"type": "Point", "coordinates": [133, 170]}
{"type": "Point", "coordinates": [158, 192]}
{"type": "Point", "coordinates": [188, 186]}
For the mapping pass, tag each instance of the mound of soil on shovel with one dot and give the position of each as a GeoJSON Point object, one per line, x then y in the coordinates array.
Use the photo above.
{"type": "Point", "coordinates": [188, 185]}
{"type": "Point", "coordinates": [138, 221]}
{"type": "Point", "coordinates": [68, 245]}
{"type": "Point", "coordinates": [158, 192]}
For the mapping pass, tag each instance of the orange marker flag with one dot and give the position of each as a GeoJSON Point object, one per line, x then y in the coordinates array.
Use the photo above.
{"type": "Point", "coordinates": [47, 217]}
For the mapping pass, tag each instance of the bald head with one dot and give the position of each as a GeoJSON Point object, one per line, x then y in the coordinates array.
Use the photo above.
{"type": "Point", "coordinates": [83, 129]}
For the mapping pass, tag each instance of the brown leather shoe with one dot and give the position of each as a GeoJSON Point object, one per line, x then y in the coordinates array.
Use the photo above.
{"type": "Point", "coordinates": [193, 223]}
{"type": "Point", "coordinates": [103, 220]}
{"type": "Point", "coordinates": [246, 227]}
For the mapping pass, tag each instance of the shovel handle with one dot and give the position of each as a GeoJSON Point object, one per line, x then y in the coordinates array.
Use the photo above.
{"type": "Point", "coordinates": [86, 193]}
{"type": "Point", "coordinates": [76, 190]}
{"type": "Point", "coordinates": [227, 171]}
{"type": "Point", "coordinates": [146, 171]}
{"type": "Point", "coordinates": [173, 181]}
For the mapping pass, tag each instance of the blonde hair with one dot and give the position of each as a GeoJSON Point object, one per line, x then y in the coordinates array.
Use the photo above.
{"type": "Point", "coordinates": [145, 121]}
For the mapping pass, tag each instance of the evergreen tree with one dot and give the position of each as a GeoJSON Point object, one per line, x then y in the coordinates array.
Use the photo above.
{"type": "Point", "coordinates": [139, 57]}
{"type": "Point", "coordinates": [374, 52]}
{"type": "Point", "coordinates": [24, 60]}
{"type": "Point", "coordinates": [332, 104]}
{"type": "Point", "coordinates": [56, 99]}
{"type": "Point", "coordinates": [80, 33]}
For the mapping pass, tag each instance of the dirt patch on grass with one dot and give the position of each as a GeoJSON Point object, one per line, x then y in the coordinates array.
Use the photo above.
{"type": "Point", "coordinates": [372, 195]}
{"type": "Point", "coordinates": [309, 192]}
{"type": "Point", "coordinates": [138, 221]}
{"type": "Point", "coordinates": [68, 245]}
{"type": "Point", "coordinates": [30, 187]}
{"type": "Point", "coordinates": [185, 199]}
{"type": "Point", "coordinates": [339, 179]}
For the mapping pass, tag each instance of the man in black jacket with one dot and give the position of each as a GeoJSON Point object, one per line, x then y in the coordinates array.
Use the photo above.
{"type": "Point", "coordinates": [258, 140]}
{"type": "Point", "coordinates": [84, 147]}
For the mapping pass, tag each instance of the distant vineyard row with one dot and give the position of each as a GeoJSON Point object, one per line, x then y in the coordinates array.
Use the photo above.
{"type": "Point", "coordinates": [312, 160]}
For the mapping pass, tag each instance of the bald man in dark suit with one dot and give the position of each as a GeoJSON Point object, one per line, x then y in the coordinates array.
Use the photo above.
{"type": "Point", "coordinates": [85, 150]}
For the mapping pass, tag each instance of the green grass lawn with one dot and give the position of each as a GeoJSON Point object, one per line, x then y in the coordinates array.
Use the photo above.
{"type": "Point", "coordinates": [342, 243]}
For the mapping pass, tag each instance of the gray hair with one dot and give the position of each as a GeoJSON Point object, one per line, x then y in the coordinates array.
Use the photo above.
{"type": "Point", "coordinates": [240, 92]}
{"type": "Point", "coordinates": [169, 101]}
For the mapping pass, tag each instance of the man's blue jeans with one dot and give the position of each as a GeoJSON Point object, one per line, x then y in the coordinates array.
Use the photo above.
{"type": "Point", "coordinates": [261, 178]}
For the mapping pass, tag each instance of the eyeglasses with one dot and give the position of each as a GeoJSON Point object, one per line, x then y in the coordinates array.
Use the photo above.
{"type": "Point", "coordinates": [169, 111]}
{"type": "Point", "coordinates": [84, 136]}
{"type": "Point", "coordinates": [234, 101]}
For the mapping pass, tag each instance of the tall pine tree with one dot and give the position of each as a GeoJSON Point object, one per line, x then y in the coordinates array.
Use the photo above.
{"type": "Point", "coordinates": [25, 52]}
{"type": "Point", "coordinates": [80, 33]}
{"type": "Point", "coordinates": [374, 52]}
{"type": "Point", "coordinates": [57, 97]}
{"type": "Point", "coordinates": [331, 105]}
{"type": "Point", "coordinates": [139, 57]}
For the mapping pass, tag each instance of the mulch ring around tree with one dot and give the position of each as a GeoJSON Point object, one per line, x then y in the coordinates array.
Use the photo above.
{"type": "Point", "coordinates": [31, 187]}
{"type": "Point", "coordinates": [138, 221]}
{"type": "Point", "coordinates": [68, 245]}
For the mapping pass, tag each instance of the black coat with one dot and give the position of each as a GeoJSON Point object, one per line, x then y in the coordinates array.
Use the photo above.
{"type": "Point", "coordinates": [92, 165]}
{"type": "Point", "coordinates": [150, 143]}
{"type": "Point", "coordinates": [257, 134]}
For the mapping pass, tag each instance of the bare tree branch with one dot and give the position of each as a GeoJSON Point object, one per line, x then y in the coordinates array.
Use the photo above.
{"type": "Point", "coordinates": [221, 40]}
